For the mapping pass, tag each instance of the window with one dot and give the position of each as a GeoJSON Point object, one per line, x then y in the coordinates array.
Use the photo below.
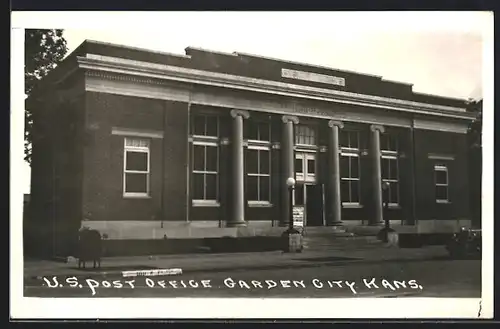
{"type": "Point", "coordinates": [205, 171]}
{"type": "Point", "coordinates": [136, 167]}
{"type": "Point", "coordinates": [349, 167]}
{"type": "Point", "coordinates": [205, 159]}
{"type": "Point", "coordinates": [258, 163]}
{"type": "Point", "coordinates": [390, 167]}
{"type": "Point", "coordinates": [305, 166]}
{"type": "Point", "coordinates": [388, 143]}
{"type": "Point", "coordinates": [441, 179]}
{"type": "Point", "coordinates": [205, 125]}
{"type": "Point", "coordinates": [305, 135]}
{"type": "Point", "coordinates": [257, 131]}
{"type": "Point", "coordinates": [349, 139]}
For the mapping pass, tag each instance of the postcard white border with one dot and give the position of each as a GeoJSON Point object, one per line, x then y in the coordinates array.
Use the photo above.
{"type": "Point", "coordinates": [239, 308]}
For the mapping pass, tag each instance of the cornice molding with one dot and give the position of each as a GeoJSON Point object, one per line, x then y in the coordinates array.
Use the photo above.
{"type": "Point", "coordinates": [120, 131]}
{"type": "Point", "coordinates": [435, 156]}
{"type": "Point", "coordinates": [450, 127]}
{"type": "Point", "coordinates": [152, 73]}
{"type": "Point", "coordinates": [234, 101]}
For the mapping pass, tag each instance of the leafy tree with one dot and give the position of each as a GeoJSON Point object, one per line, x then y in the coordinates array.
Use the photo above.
{"type": "Point", "coordinates": [44, 49]}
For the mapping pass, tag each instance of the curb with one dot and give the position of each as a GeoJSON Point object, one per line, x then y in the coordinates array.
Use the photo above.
{"type": "Point", "coordinates": [179, 271]}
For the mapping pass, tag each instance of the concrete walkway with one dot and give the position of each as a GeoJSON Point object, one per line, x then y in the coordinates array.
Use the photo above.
{"type": "Point", "coordinates": [190, 263]}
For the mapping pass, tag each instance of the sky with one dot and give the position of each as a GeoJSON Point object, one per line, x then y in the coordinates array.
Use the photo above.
{"type": "Point", "coordinates": [439, 53]}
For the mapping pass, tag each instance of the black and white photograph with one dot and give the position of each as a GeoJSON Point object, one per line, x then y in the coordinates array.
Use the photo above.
{"type": "Point", "coordinates": [252, 164]}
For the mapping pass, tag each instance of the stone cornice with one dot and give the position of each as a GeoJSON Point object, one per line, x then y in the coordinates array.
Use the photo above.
{"type": "Point", "coordinates": [156, 73]}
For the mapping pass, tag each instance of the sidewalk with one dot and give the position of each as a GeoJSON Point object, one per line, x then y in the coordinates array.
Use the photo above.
{"type": "Point", "coordinates": [196, 263]}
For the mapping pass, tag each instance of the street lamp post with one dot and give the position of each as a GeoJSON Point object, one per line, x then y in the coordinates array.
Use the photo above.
{"type": "Point", "coordinates": [292, 238]}
{"type": "Point", "coordinates": [387, 229]}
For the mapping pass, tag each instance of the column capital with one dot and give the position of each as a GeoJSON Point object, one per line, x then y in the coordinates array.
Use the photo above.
{"type": "Point", "coordinates": [377, 127]}
{"type": "Point", "coordinates": [242, 113]}
{"type": "Point", "coordinates": [333, 123]}
{"type": "Point", "coordinates": [288, 118]}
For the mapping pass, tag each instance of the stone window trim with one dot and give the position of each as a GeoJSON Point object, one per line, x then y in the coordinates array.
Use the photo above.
{"type": "Point", "coordinates": [137, 145]}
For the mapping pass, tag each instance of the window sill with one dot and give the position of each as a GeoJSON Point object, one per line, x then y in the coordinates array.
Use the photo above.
{"type": "Point", "coordinates": [443, 201]}
{"type": "Point", "coordinates": [394, 206]}
{"type": "Point", "coordinates": [202, 203]}
{"type": "Point", "coordinates": [352, 205]}
{"type": "Point", "coordinates": [132, 196]}
{"type": "Point", "coordinates": [259, 204]}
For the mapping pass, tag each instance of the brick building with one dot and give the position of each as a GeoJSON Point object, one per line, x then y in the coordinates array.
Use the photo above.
{"type": "Point", "coordinates": [141, 144]}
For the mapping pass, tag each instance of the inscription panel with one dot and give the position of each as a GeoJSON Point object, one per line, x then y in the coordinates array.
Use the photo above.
{"type": "Point", "coordinates": [314, 77]}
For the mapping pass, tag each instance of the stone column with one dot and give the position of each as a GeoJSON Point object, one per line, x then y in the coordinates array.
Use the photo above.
{"type": "Point", "coordinates": [378, 217]}
{"type": "Point", "coordinates": [288, 161]}
{"type": "Point", "coordinates": [238, 170]}
{"type": "Point", "coordinates": [335, 198]}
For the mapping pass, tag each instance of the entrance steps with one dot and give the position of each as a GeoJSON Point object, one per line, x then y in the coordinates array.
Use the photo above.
{"type": "Point", "coordinates": [325, 238]}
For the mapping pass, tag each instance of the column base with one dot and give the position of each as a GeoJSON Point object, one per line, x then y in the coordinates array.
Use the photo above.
{"type": "Point", "coordinates": [236, 224]}
{"type": "Point", "coordinates": [292, 241]}
{"type": "Point", "coordinates": [376, 224]}
{"type": "Point", "coordinates": [337, 226]}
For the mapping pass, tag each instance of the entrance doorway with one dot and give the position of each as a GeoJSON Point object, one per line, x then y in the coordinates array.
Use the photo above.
{"type": "Point", "coordinates": [310, 197]}
{"type": "Point", "coordinates": [308, 193]}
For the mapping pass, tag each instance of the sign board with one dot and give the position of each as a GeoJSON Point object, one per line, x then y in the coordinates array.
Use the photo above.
{"type": "Point", "coordinates": [314, 77]}
{"type": "Point", "coordinates": [298, 216]}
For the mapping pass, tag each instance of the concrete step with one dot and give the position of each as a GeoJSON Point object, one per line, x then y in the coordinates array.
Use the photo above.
{"type": "Point", "coordinates": [340, 239]}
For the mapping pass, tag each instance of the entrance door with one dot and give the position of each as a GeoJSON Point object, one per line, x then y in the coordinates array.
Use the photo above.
{"type": "Point", "coordinates": [307, 192]}
{"type": "Point", "coordinates": [310, 196]}
{"type": "Point", "coordinates": [314, 205]}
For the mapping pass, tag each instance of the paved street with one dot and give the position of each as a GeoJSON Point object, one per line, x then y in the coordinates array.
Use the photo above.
{"type": "Point", "coordinates": [415, 278]}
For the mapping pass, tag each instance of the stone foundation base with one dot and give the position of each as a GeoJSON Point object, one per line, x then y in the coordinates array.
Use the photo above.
{"type": "Point", "coordinates": [205, 229]}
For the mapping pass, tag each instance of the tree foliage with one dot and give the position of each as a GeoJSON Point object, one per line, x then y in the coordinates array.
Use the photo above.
{"type": "Point", "coordinates": [44, 49]}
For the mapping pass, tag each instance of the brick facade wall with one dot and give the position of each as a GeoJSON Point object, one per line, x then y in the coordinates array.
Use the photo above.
{"type": "Point", "coordinates": [103, 157]}
{"type": "Point", "coordinates": [449, 144]}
